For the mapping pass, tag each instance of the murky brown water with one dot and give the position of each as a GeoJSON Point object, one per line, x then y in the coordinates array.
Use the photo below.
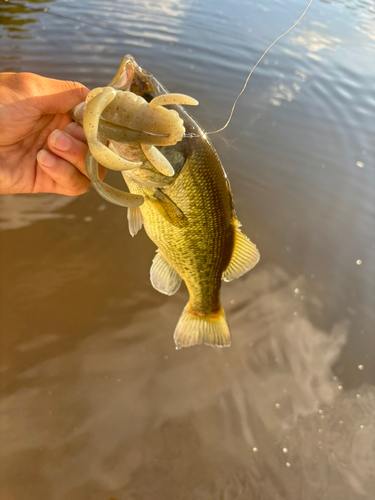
{"type": "Point", "coordinates": [95, 401]}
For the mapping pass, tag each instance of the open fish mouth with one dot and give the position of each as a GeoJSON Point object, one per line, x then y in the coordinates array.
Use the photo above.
{"type": "Point", "coordinates": [133, 78]}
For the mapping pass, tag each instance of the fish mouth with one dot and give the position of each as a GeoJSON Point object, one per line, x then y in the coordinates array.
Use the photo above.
{"type": "Point", "coordinates": [129, 77]}
{"type": "Point", "coordinates": [125, 74]}
{"type": "Point", "coordinates": [144, 84]}
{"type": "Point", "coordinates": [132, 77]}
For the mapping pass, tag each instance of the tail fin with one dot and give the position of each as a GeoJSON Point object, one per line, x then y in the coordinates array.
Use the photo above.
{"type": "Point", "coordinates": [194, 328]}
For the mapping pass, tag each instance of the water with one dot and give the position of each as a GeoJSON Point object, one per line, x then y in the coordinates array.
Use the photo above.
{"type": "Point", "coordinates": [95, 401]}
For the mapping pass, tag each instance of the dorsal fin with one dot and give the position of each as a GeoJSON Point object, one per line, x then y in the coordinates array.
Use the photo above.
{"type": "Point", "coordinates": [245, 256]}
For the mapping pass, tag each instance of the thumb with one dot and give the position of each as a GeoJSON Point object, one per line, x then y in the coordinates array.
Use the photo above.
{"type": "Point", "coordinates": [58, 96]}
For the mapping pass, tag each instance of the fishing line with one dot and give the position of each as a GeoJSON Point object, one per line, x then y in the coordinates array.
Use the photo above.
{"type": "Point", "coordinates": [249, 75]}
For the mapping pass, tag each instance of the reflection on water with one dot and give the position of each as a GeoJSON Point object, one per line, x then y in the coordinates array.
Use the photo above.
{"type": "Point", "coordinates": [15, 21]}
{"type": "Point", "coordinates": [16, 16]}
{"type": "Point", "coordinates": [264, 419]}
{"type": "Point", "coordinates": [315, 41]}
{"type": "Point", "coordinates": [18, 211]}
{"type": "Point", "coordinates": [95, 401]}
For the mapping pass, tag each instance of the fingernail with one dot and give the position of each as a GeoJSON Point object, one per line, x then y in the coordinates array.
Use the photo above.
{"type": "Point", "coordinates": [60, 140]}
{"type": "Point", "coordinates": [69, 128]}
{"type": "Point", "coordinates": [45, 158]}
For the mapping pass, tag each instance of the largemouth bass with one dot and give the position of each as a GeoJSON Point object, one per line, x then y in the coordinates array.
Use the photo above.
{"type": "Point", "coordinates": [189, 215]}
{"type": "Point", "coordinates": [192, 221]}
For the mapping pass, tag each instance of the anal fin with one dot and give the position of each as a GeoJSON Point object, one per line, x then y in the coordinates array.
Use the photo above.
{"type": "Point", "coordinates": [163, 277]}
{"type": "Point", "coordinates": [135, 221]}
{"type": "Point", "coordinates": [245, 256]}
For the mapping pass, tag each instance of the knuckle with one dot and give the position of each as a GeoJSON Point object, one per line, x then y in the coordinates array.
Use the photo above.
{"type": "Point", "coordinates": [83, 189]}
{"type": "Point", "coordinates": [24, 83]}
{"type": "Point", "coordinates": [77, 186]}
{"type": "Point", "coordinates": [80, 89]}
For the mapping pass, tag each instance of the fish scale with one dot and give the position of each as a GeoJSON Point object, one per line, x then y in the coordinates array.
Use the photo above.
{"type": "Point", "coordinates": [200, 252]}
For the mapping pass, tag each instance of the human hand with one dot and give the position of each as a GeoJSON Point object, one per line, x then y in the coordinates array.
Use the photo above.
{"type": "Point", "coordinates": [35, 155]}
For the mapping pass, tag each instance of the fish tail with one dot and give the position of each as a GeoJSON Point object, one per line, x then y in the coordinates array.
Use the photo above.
{"type": "Point", "coordinates": [196, 328]}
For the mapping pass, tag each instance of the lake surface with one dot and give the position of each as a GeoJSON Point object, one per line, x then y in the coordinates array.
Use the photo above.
{"type": "Point", "coordinates": [96, 403]}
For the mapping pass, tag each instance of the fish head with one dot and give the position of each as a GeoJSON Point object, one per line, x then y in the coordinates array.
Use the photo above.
{"type": "Point", "coordinates": [148, 86]}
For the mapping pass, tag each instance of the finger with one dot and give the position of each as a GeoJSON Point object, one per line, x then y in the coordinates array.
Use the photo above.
{"type": "Point", "coordinates": [55, 96]}
{"type": "Point", "coordinates": [68, 179]}
{"type": "Point", "coordinates": [71, 149]}
{"type": "Point", "coordinates": [76, 131]}
{"type": "Point", "coordinates": [67, 147]}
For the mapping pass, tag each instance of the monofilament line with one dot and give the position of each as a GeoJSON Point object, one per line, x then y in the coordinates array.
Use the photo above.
{"type": "Point", "coordinates": [255, 65]}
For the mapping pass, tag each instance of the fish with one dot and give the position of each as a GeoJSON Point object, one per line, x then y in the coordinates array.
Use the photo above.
{"type": "Point", "coordinates": [192, 221]}
{"type": "Point", "coordinates": [179, 192]}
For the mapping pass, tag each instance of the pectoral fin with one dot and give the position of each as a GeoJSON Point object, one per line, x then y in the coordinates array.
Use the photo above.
{"type": "Point", "coordinates": [134, 220]}
{"type": "Point", "coordinates": [245, 256]}
{"type": "Point", "coordinates": [168, 209]}
{"type": "Point", "coordinates": [163, 277]}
